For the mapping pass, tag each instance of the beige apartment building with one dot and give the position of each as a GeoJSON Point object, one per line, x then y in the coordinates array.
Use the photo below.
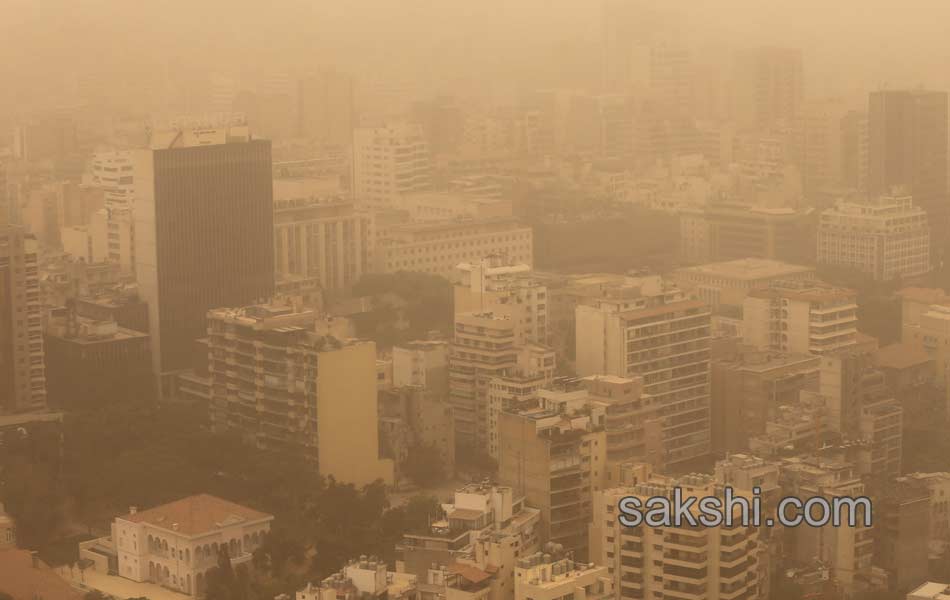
{"type": "Point", "coordinates": [484, 353]}
{"type": "Point", "coordinates": [887, 237]}
{"type": "Point", "coordinates": [801, 317]}
{"type": "Point", "coordinates": [22, 367]}
{"type": "Point", "coordinates": [280, 384]}
{"type": "Point", "coordinates": [749, 388]}
{"type": "Point", "coordinates": [544, 576]}
{"type": "Point", "coordinates": [556, 455]}
{"type": "Point", "coordinates": [483, 348]}
{"type": "Point", "coordinates": [423, 363]}
{"type": "Point", "coordinates": [652, 330]}
{"type": "Point", "coordinates": [688, 563]}
{"type": "Point", "coordinates": [925, 325]}
{"type": "Point", "coordinates": [847, 551]}
{"type": "Point", "coordinates": [389, 161]}
{"type": "Point", "coordinates": [438, 247]}
{"type": "Point", "coordinates": [495, 284]}
{"type": "Point", "coordinates": [328, 241]}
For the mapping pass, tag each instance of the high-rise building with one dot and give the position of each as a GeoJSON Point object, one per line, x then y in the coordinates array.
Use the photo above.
{"type": "Point", "coordinates": [825, 145]}
{"type": "Point", "coordinates": [800, 316]}
{"type": "Point", "coordinates": [328, 241]}
{"type": "Point", "coordinates": [279, 384]}
{"type": "Point", "coordinates": [887, 237]}
{"type": "Point", "coordinates": [768, 87]}
{"type": "Point", "coordinates": [204, 233]}
{"type": "Point", "coordinates": [486, 347]}
{"type": "Point", "coordinates": [325, 110]}
{"type": "Point", "coordinates": [422, 363]}
{"type": "Point", "coordinates": [847, 551]}
{"type": "Point", "coordinates": [650, 329]}
{"type": "Point", "coordinates": [907, 146]}
{"type": "Point", "coordinates": [22, 368]}
{"type": "Point", "coordinates": [556, 456]}
{"type": "Point", "coordinates": [495, 284]}
{"type": "Point", "coordinates": [748, 389]}
{"type": "Point", "coordinates": [854, 149]}
{"type": "Point", "coordinates": [113, 172]}
{"type": "Point", "coordinates": [714, 563]}
{"type": "Point", "coordinates": [389, 161]}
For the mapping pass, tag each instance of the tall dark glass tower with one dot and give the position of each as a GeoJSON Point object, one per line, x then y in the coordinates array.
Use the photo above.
{"type": "Point", "coordinates": [907, 146]}
{"type": "Point", "coordinates": [204, 231]}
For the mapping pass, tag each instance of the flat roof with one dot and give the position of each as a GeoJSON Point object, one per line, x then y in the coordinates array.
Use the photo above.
{"type": "Point", "coordinates": [745, 269]}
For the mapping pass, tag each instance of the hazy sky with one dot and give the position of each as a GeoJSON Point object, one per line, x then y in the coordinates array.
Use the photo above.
{"type": "Point", "coordinates": [44, 42]}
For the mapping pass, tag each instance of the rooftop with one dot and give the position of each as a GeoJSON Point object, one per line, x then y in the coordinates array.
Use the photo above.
{"type": "Point", "coordinates": [746, 269]}
{"type": "Point", "coordinates": [901, 356]}
{"type": "Point", "coordinates": [196, 515]}
{"type": "Point", "coordinates": [19, 578]}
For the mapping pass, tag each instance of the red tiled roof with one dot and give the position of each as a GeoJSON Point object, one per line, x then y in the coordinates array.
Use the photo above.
{"type": "Point", "coordinates": [197, 514]}
{"type": "Point", "coordinates": [20, 579]}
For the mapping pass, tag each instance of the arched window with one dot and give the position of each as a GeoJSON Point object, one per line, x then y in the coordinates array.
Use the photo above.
{"type": "Point", "coordinates": [166, 574]}
{"type": "Point", "coordinates": [187, 555]}
{"type": "Point", "coordinates": [187, 584]}
{"type": "Point", "coordinates": [200, 583]}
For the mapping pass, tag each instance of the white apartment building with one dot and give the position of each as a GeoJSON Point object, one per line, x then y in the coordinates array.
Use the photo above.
{"type": "Point", "coordinates": [389, 161]}
{"type": "Point", "coordinates": [438, 247]}
{"type": "Point", "coordinates": [886, 237]}
{"type": "Point", "coordinates": [22, 367]}
{"type": "Point", "coordinates": [176, 544]}
{"type": "Point", "coordinates": [496, 284]}
{"type": "Point", "coordinates": [648, 328]}
{"type": "Point", "coordinates": [800, 317]}
{"type": "Point", "coordinates": [366, 577]}
{"type": "Point", "coordinates": [546, 577]}
{"type": "Point", "coordinates": [114, 173]}
{"type": "Point", "coordinates": [712, 563]}
{"type": "Point", "coordinates": [327, 241]}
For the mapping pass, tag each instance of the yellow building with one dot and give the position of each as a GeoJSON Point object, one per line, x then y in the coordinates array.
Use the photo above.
{"type": "Point", "coordinates": [280, 384]}
{"type": "Point", "coordinates": [708, 563]}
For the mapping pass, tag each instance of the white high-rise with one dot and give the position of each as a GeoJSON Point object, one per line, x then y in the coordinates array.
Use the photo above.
{"type": "Point", "coordinates": [389, 161]}
{"type": "Point", "coordinates": [886, 237]}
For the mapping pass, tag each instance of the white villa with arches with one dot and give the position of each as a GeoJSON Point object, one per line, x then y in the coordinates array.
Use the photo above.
{"type": "Point", "coordinates": [176, 544]}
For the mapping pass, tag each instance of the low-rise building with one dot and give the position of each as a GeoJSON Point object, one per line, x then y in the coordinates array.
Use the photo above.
{"type": "Point", "coordinates": [887, 237]}
{"type": "Point", "coordinates": [438, 247]}
{"type": "Point", "coordinates": [94, 363]}
{"type": "Point", "coordinates": [176, 544]}
{"type": "Point", "coordinates": [546, 577]}
{"type": "Point", "coordinates": [367, 577]}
